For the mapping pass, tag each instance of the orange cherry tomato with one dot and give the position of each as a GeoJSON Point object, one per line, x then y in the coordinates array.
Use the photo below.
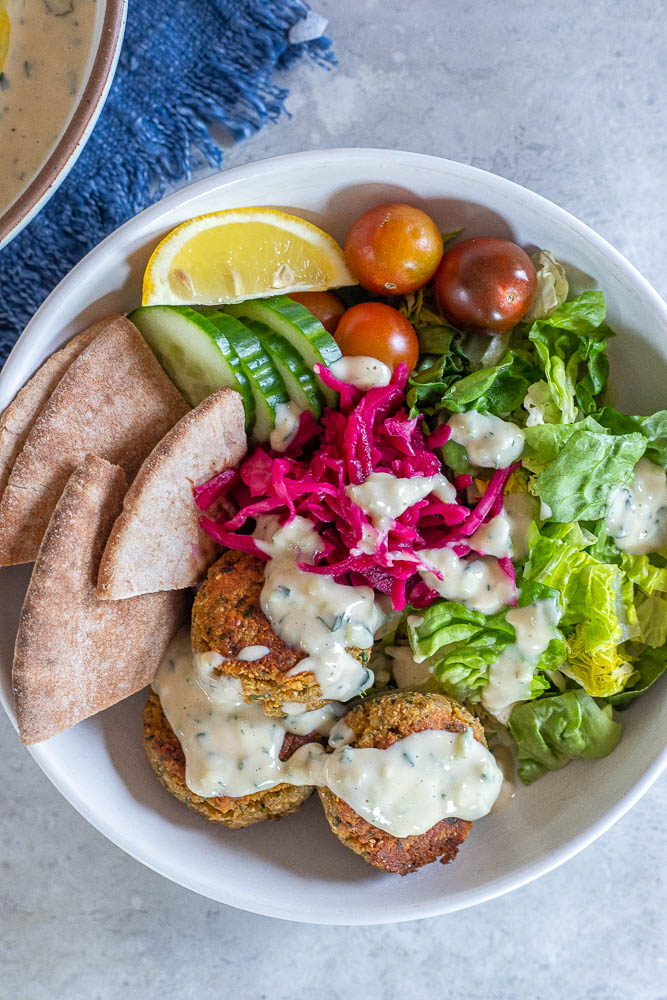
{"type": "Point", "coordinates": [485, 283]}
{"type": "Point", "coordinates": [326, 306]}
{"type": "Point", "coordinates": [393, 249]}
{"type": "Point", "coordinates": [378, 331]}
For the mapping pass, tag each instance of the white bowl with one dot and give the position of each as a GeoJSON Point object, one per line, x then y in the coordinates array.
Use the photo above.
{"type": "Point", "coordinates": [295, 869]}
{"type": "Point", "coordinates": [105, 48]}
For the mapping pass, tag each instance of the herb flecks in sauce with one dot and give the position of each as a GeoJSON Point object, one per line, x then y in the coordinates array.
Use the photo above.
{"type": "Point", "coordinates": [47, 61]}
{"type": "Point", "coordinates": [234, 749]}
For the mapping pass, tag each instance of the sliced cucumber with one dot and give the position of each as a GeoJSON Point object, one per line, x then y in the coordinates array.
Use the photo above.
{"type": "Point", "coordinates": [301, 382]}
{"type": "Point", "coordinates": [267, 386]}
{"type": "Point", "coordinates": [298, 326]}
{"type": "Point", "coordinates": [195, 354]}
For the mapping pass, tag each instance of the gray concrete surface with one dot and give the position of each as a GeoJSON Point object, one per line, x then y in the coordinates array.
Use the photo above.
{"type": "Point", "coordinates": [567, 99]}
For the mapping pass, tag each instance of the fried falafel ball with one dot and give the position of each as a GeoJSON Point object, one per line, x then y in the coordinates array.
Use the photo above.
{"type": "Point", "coordinates": [227, 617]}
{"type": "Point", "coordinates": [168, 761]}
{"type": "Point", "coordinates": [379, 722]}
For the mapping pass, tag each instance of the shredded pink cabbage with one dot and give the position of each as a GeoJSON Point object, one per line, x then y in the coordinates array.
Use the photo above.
{"type": "Point", "coordinates": [208, 493]}
{"type": "Point", "coordinates": [370, 432]}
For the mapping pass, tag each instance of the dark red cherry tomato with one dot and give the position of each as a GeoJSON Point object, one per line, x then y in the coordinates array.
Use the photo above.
{"type": "Point", "coordinates": [485, 283]}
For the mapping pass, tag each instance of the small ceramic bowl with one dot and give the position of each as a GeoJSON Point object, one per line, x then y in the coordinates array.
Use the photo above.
{"type": "Point", "coordinates": [295, 868]}
{"type": "Point", "coordinates": [106, 43]}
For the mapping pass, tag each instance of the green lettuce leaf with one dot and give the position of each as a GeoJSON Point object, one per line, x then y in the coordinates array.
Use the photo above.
{"type": "Point", "coordinates": [643, 573]}
{"type": "Point", "coordinates": [498, 389]}
{"type": "Point", "coordinates": [588, 589]}
{"type": "Point", "coordinates": [539, 405]}
{"type": "Point", "coordinates": [599, 611]}
{"type": "Point", "coordinates": [601, 672]}
{"type": "Point", "coordinates": [554, 729]}
{"type": "Point", "coordinates": [572, 340]}
{"type": "Point", "coordinates": [543, 442]}
{"type": "Point", "coordinates": [445, 622]}
{"type": "Point", "coordinates": [577, 483]}
{"type": "Point", "coordinates": [434, 376]}
{"type": "Point", "coordinates": [552, 286]}
{"type": "Point", "coordinates": [654, 429]}
{"type": "Point", "coordinates": [652, 620]}
{"type": "Point", "coordinates": [461, 644]}
{"type": "Point", "coordinates": [649, 667]}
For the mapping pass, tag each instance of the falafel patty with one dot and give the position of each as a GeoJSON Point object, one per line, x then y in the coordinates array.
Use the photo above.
{"type": "Point", "coordinates": [378, 722]}
{"type": "Point", "coordinates": [227, 617]}
{"type": "Point", "coordinates": [168, 761]}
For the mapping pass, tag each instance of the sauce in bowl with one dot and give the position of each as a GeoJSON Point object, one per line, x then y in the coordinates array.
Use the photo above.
{"type": "Point", "coordinates": [45, 72]}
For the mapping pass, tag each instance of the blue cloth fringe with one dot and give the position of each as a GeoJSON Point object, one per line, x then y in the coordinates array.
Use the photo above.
{"type": "Point", "coordinates": [185, 65]}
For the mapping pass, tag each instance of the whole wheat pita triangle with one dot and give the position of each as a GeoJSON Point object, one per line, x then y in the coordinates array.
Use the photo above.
{"type": "Point", "coordinates": [17, 420]}
{"type": "Point", "coordinates": [156, 542]}
{"type": "Point", "coordinates": [113, 401]}
{"type": "Point", "coordinates": [76, 655]}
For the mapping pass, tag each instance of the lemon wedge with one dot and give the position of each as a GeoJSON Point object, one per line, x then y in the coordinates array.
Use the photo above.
{"type": "Point", "coordinates": [4, 35]}
{"type": "Point", "coordinates": [239, 254]}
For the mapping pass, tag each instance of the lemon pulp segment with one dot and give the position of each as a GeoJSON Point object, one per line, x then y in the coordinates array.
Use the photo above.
{"type": "Point", "coordinates": [245, 259]}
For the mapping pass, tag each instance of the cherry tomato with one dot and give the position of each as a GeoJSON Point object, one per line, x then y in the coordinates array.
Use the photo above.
{"type": "Point", "coordinates": [485, 283]}
{"type": "Point", "coordinates": [326, 306]}
{"type": "Point", "coordinates": [393, 249]}
{"type": "Point", "coordinates": [378, 331]}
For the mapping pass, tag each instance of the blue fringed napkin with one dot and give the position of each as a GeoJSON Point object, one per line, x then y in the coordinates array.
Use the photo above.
{"type": "Point", "coordinates": [185, 65]}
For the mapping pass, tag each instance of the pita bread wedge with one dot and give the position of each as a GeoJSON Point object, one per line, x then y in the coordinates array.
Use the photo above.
{"type": "Point", "coordinates": [156, 543]}
{"type": "Point", "coordinates": [114, 401]}
{"type": "Point", "coordinates": [17, 420]}
{"type": "Point", "coordinates": [76, 655]}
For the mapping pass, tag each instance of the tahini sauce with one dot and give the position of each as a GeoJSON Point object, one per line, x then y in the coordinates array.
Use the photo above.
{"type": "Point", "coordinates": [47, 65]}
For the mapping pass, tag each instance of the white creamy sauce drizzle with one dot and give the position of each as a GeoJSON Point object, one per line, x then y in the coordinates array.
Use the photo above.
{"type": "Point", "coordinates": [309, 611]}
{"type": "Point", "coordinates": [507, 533]}
{"type": "Point", "coordinates": [320, 720]}
{"type": "Point", "coordinates": [511, 675]}
{"type": "Point", "coordinates": [490, 442]}
{"type": "Point", "coordinates": [384, 497]}
{"type": "Point", "coordinates": [286, 426]}
{"type": "Point", "coordinates": [480, 584]}
{"type": "Point", "coordinates": [362, 372]}
{"type": "Point", "coordinates": [637, 514]}
{"type": "Point", "coordinates": [49, 51]}
{"type": "Point", "coordinates": [416, 782]}
{"type": "Point", "coordinates": [234, 749]}
{"type": "Point", "coordinates": [493, 537]}
{"type": "Point", "coordinates": [230, 748]}
{"type": "Point", "coordinates": [252, 653]}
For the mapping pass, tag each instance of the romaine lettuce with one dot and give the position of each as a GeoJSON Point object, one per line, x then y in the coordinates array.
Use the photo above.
{"type": "Point", "coordinates": [654, 429]}
{"type": "Point", "coordinates": [571, 340]}
{"type": "Point", "coordinates": [555, 729]}
{"type": "Point", "coordinates": [461, 644]}
{"type": "Point", "coordinates": [552, 286]}
{"type": "Point", "coordinates": [652, 619]}
{"type": "Point", "coordinates": [577, 483]}
{"type": "Point", "coordinates": [601, 672]}
{"type": "Point", "coordinates": [649, 667]}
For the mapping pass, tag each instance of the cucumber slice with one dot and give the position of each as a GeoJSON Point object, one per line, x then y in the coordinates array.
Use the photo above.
{"type": "Point", "coordinates": [301, 382]}
{"type": "Point", "coordinates": [298, 326]}
{"type": "Point", "coordinates": [196, 356]}
{"type": "Point", "coordinates": [267, 386]}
